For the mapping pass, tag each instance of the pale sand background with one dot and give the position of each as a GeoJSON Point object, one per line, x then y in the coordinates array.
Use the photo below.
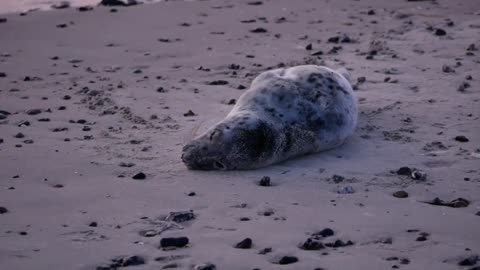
{"type": "Point", "coordinates": [113, 63]}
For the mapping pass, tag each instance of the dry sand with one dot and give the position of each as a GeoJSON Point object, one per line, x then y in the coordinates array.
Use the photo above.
{"type": "Point", "coordinates": [112, 88]}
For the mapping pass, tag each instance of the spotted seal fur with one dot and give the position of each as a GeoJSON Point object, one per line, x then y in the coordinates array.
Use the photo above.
{"type": "Point", "coordinates": [285, 113]}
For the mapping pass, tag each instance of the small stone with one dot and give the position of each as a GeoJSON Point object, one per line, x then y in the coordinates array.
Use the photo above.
{"type": "Point", "coordinates": [265, 181]}
{"type": "Point", "coordinates": [178, 242]}
{"type": "Point", "coordinates": [469, 261]}
{"type": "Point", "coordinates": [346, 190]}
{"type": "Point", "coordinates": [124, 262]}
{"type": "Point", "coordinates": [34, 111]}
{"type": "Point", "coordinates": [118, 3]}
{"type": "Point", "coordinates": [191, 194]}
{"type": "Point", "coordinates": [418, 175]}
{"type": "Point", "coordinates": [3, 20]}
{"type": "Point", "coordinates": [205, 266]}
{"type": "Point", "coordinates": [58, 186]}
{"type": "Point", "coordinates": [461, 138]}
{"type": "Point", "coordinates": [400, 194]}
{"type": "Point", "coordinates": [421, 239]}
{"type": "Point", "coordinates": [180, 216]}
{"type": "Point", "coordinates": [259, 30]}
{"type": "Point", "coordinates": [231, 102]}
{"type": "Point", "coordinates": [148, 233]}
{"type": "Point", "coordinates": [448, 69]}
{"type": "Point", "coordinates": [189, 113]}
{"type": "Point", "coordinates": [371, 12]}
{"type": "Point", "coordinates": [325, 233]}
{"type": "Point", "coordinates": [404, 171]}
{"type": "Point", "coordinates": [93, 224]}
{"type": "Point", "coordinates": [23, 123]}
{"type": "Point", "coordinates": [244, 244]}
{"type": "Point", "coordinates": [3, 210]}
{"type": "Point", "coordinates": [309, 47]}
{"type": "Point", "coordinates": [311, 244]}
{"type": "Point", "coordinates": [288, 260]}
{"type": "Point", "coordinates": [19, 135]}
{"type": "Point", "coordinates": [139, 176]}
{"type": "Point", "coordinates": [265, 251]}
{"type": "Point", "coordinates": [218, 82]}
{"type": "Point", "coordinates": [339, 243]}
{"type": "Point", "coordinates": [463, 86]}
{"type": "Point", "coordinates": [126, 164]}
{"type": "Point", "coordinates": [241, 87]}
{"type": "Point", "coordinates": [85, 8]}
{"type": "Point", "coordinates": [440, 32]}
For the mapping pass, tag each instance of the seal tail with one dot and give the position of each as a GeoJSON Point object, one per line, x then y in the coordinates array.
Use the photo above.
{"type": "Point", "coordinates": [344, 72]}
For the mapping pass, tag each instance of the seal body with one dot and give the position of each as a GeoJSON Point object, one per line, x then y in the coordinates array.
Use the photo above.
{"type": "Point", "coordinates": [286, 113]}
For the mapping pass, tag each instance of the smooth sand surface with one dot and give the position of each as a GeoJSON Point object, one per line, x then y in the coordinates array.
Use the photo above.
{"type": "Point", "coordinates": [109, 91]}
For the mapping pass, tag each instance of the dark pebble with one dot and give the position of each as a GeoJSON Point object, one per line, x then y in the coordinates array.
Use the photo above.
{"type": "Point", "coordinates": [93, 224]}
{"type": "Point", "coordinates": [189, 113]}
{"type": "Point", "coordinates": [3, 210]}
{"type": "Point", "coordinates": [265, 182]}
{"type": "Point", "coordinates": [461, 138]}
{"type": "Point", "coordinates": [178, 242]}
{"type": "Point", "coordinates": [34, 111]}
{"type": "Point", "coordinates": [244, 244]}
{"type": "Point", "coordinates": [400, 194]}
{"type": "Point", "coordinates": [259, 30]}
{"type": "Point", "coordinates": [440, 32]}
{"type": "Point", "coordinates": [123, 262]}
{"type": "Point", "coordinates": [339, 243]}
{"type": "Point", "coordinates": [311, 244]}
{"type": "Point", "coordinates": [191, 194]}
{"type": "Point", "coordinates": [139, 176]}
{"type": "Point", "coordinates": [421, 239]}
{"type": "Point", "coordinates": [181, 216]}
{"type": "Point", "coordinates": [205, 266]}
{"type": "Point", "coordinates": [309, 47]}
{"type": "Point", "coordinates": [241, 87]}
{"type": "Point", "coordinates": [111, 3]}
{"type": "Point", "coordinates": [469, 261]}
{"type": "Point", "coordinates": [19, 135]}
{"type": "Point", "coordinates": [218, 82]}
{"type": "Point", "coordinates": [325, 232]}
{"type": "Point", "coordinates": [85, 8]}
{"type": "Point", "coordinates": [404, 171]}
{"type": "Point", "coordinates": [3, 20]}
{"type": "Point", "coordinates": [58, 186]}
{"type": "Point", "coordinates": [288, 260]}
{"type": "Point", "coordinates": [265, 251]}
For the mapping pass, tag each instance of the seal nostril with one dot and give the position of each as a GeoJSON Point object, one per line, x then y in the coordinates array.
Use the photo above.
{"type": "Point", "coordinates": [218, 165]}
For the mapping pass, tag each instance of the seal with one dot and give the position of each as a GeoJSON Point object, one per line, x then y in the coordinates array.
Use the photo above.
{"type": "Point", "coordinates": [285, 113]}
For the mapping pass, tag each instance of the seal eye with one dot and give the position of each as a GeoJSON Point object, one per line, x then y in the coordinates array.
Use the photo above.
{"type": "Point", "coordinates": [213, 134]}
{"type": "Point", "coordinates": [218, 165]}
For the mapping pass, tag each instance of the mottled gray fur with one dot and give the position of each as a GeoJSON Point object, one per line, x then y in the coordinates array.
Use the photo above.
{"type": "Point", "coordinates": [286, 113]}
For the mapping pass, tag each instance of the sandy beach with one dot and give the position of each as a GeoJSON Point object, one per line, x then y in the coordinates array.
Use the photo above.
{"type": "Point", "coordinates": [94, 111]}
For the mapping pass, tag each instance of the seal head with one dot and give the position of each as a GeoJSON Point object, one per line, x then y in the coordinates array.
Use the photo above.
{"type": "Point", "coordinates": [235, 143]}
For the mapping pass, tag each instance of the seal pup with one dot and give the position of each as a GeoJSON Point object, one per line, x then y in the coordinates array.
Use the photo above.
{"type": "Point", "coordinates": [286, 112]}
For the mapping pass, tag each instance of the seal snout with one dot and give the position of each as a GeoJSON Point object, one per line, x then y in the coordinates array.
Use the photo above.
{"type": "Point", "coordinates": [195, 160]}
